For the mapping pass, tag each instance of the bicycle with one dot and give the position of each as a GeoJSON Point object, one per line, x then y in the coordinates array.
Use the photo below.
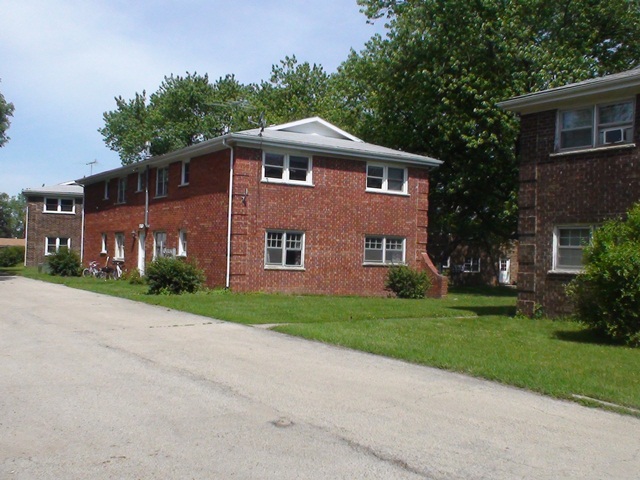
{"type": "Point", "coordinates": [94, 270]}
{"type": "Point", "coordinates": [116, 274]}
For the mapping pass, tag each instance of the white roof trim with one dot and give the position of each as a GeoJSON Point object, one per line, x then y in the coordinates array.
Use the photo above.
{"type": "Point", "coordinates": [307, 125]}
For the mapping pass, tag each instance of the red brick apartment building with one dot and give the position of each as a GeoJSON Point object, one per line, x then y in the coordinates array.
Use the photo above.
{"type": "Point", "coordinates": [297, 208]}
{"type": "Point", "coordinates": [579, 166]}
{"type": "Point", "coordinates": [53, 220]}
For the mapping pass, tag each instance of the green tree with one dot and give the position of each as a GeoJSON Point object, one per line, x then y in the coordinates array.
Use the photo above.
{"type": "Point", "coordinates": [12, 216]}
{"type": "Point", "coordinates": [183, 111]}
{"type": "Point", "coordinates": [6, 111]}
{"type": "Point", "coordinates": [432, 84]}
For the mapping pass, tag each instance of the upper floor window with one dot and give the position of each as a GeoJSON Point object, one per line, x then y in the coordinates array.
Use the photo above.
{"type": "Point", "coordinates": [568, 247]}
{"type": "Point", "coordinates": [286, 168]}
{"type": "Point", "coordinates": [106, 189]}
{"type": "Point", "coordinates": [385, 178]}
{"type": "Point", "coordinates": [122, 188]}
{"type": "Point", "coordinates": [162, 181]}
{"type": "Point", "coordinates": [284, 249]}
{"type": "Point", "coordinates": [384, 250]}
{"type": "Point", "coordinates": [596, 125]}
{"type": "Point", "coordinates": [141, 181]}
{"type": "Point", "coordinates": [184, 175]}
{"type": "Point", "coordinates": [59, 205]}
{"type": "Point", "coordinates": [54, 244]}
{"type": "Point", "coordinates": [119, 251]}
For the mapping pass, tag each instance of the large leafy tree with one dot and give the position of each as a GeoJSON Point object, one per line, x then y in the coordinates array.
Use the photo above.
{"type": "Point", "coordinates": [12, 216]}
{"type": "Point", "coordinates": [183, 111]}
{"type": "Point", "coordinates": [432, 84]}
{"type": "Point", "coordinates": [6, 111]}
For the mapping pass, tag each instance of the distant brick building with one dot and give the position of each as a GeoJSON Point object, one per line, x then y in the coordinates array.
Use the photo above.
{"type": "Point", "coordinates": [54, 220]}
{"type": "Point", "coordinates": [298, 208]}
{"type": "Point", "coordinates": [579, 166]}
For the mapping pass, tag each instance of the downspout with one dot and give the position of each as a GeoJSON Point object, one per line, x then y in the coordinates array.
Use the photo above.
{"type": "Point", "coordinates": [82, 229]}
{"type": "Point", "coordinates": [146, 198]}
{"type": "Point", "coordinates": [231, 161]}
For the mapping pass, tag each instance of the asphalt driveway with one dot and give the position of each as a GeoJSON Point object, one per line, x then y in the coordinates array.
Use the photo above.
{"type": "Point", "coordinates": [99, 387]}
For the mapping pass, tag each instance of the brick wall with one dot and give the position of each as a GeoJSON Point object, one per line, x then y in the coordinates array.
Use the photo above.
{"type": "Point", "coordinates": [41, 225]}
{"type": "Point", "coordinates": [564, 189]}
{"type": "Point", "coordinates": [335, 214]}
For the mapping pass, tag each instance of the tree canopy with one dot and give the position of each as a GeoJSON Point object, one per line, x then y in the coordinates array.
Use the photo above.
{"type": "Point", "coordinates": [12, 216]}
{"type": "Point", "coordinates": [6, 111]}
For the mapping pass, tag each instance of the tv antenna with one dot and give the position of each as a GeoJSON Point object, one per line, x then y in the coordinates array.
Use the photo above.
{"type": "Point", "coordinates": [91, 164]}
{"type": "Point", "coordinates": [261, 122]}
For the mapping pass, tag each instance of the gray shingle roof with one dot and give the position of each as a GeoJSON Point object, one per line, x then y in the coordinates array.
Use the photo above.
{"type": "Point", "coordinates": [68, 189]}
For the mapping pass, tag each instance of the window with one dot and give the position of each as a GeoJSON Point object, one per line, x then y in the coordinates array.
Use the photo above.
{"type": "Point", "coordinates": [182, 243]}
{"type": "Point", "coordinates": [59, 205]}
{"type": "Point", "coordinates": [568, 247]}
{"type": "Point", "coordinates": [284, 249]}
{"type": "Point", "coordinates": [141, 181]}
{"type": "Point", "coordinates": [159, 244]}
{"type": "Point", "coordinates": [471, 265]}
{"type": "Point", "coordinates": [103, 245]}
{"type": "Point", "coordinates": [286, 168]}
{"type": "Point", "coordinates": [596, 125]}
{"type": "Point", "coordinates": [383, 178]}
{"type": "Point", "coordinates": [122, 188]}
{"type": "Point", "coordinates": [119, 251]}
{"type": "Point", "coordinates": [162, 181]}
{"type": "Point", "coordinates": [384, 250]}
{"type": "Point", "coordinates": [106, 189]}
{"type": "Point", "coordinates": [54, 244]}
{"type": "Point", "coordinates": [184, 177]}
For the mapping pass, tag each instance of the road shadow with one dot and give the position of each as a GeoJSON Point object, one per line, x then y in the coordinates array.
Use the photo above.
{"type": "Point", "coordinates": [490, 311]}
{"type": "Point", "coordinates": [587, 335]}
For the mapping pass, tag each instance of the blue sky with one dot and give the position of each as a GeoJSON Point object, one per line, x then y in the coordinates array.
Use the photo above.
{"type": "Point", "coordinates": [62, 63]}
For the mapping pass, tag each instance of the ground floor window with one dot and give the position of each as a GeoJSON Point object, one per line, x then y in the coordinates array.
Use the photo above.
{"type": "Point", "coordinates": [568, 246]}
{"type": "Point", "coordinates": [471, 264]}
{"type": "Point", "coordinates": [54, 244]}
{"type": "Point", "coordinates": [182, 243]}
{"type": "Point", "coordinates": [159, 244]}
{"type": "Point", "coordinates": [384, 250]}
{"type": "Point", "coordinates": [119, 251]}
{"type": "Point", "coordinates": [284, 249]}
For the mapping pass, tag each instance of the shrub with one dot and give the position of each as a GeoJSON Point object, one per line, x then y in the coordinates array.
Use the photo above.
{"type": "Point", "coordinates": [65, 263]}
{"type": "Point", "coordinates": [406, 282]}
{"type": "Point", "coordinates": [11, 256]}
{"type": "Point", "coordinates": [171, 275]}
{"type": "Point", "coordinates": [133, 277]}
{"type": "Point", "coordinates": [607, 293]}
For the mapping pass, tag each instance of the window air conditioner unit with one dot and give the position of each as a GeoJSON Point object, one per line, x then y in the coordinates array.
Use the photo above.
{"type": "Point", "coordinates": [613, 135]}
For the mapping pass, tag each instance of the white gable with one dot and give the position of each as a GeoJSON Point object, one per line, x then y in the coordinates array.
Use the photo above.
{"type": "Point", "coordinates": [315, 126]}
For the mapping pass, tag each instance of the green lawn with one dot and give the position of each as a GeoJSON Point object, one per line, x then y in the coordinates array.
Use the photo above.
{"type": "Point", "coordinates": [473, 331]}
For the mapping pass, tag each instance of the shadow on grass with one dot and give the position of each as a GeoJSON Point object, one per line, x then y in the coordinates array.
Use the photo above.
{"type": "Point", "coordinates": [485, 291]}
{"type": "Point", "coordinates": [587, 335]}
{"type": "Point", "coordinates": [495, 310]}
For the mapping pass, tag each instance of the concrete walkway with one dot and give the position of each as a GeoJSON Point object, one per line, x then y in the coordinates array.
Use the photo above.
{"type": "Point", "coordinates": [98, 387]}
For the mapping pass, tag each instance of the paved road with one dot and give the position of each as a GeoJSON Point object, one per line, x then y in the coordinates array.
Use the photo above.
{"type": "Point", "coordinates": [97, 387]}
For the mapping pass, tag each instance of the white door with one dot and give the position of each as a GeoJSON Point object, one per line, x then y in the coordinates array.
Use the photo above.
{"type": "Point", "coordinates": [505, 271]}
{"type": "Point", "coordinates": [141, 256]}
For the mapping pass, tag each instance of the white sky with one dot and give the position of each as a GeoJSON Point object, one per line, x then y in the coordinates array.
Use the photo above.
{"type": "Point", "coordinates": [62, 63]}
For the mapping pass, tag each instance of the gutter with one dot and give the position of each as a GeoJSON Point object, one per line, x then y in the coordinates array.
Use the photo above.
{"type": "Point", "coordinates": [227, 282]}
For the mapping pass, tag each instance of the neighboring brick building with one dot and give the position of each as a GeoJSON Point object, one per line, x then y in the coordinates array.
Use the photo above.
{"type": "Point", "coordinates": [579, 166]}
{"type": "Point", "coordinates": [54, 220]}
{"type": "Point", "coordinates": [313, 210]}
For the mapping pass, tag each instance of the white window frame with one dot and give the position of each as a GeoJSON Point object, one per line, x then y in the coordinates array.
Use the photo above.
{"type": "Point", "coordinates": [556, 267]}
{"type": "Point", "coordinates": [106, 189]}
{"type": "Point", "coordinates": [286, 169]}
{"type": "Point", "coordinates": [58, 208]}
{"type": "Point", "coordinates": [384, 240]}
{"type": "Point", "coordinates": [185, 172]}
{"type": "Point", "coordinates": [118, 252]}
{"type": "Point", "coordinates": [57, 244]}
{"type": "Point", "coordinates": [159, 246]}
{"type": "Point", "coordinates": [384, 188]}
{"type": "Point", "coordinates": [122, 190]}
{"type": "Point", "coordinates": [472, 265]}
{"type": "Point", "coordinates": [284, 248]}
{"type": "Point", "coordinates": [596, 126]}
{"type": "Point", "coordinates": [182, 243]}
{"type": "Point", "coordinates": [103, 244]}
{"type": "Point", "coordinates": [141, 181]}
{"type": "Point", "coordinates": [164, 183]}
